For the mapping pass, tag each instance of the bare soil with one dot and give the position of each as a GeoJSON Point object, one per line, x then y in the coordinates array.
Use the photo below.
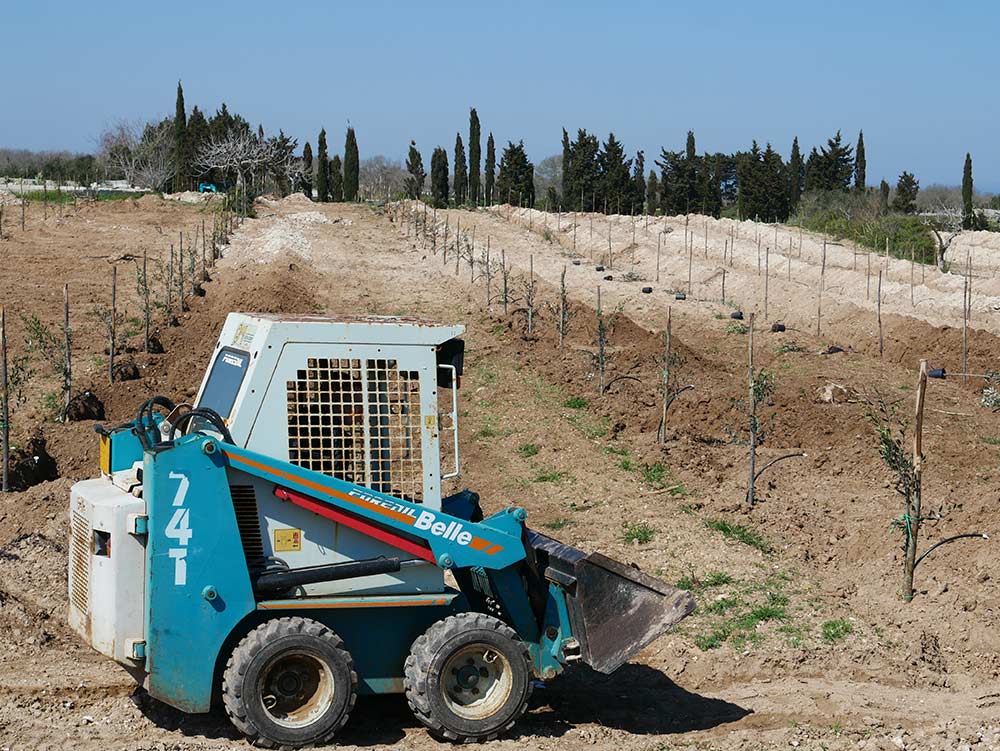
{"type": "Point", "coordinates": [799, 641]}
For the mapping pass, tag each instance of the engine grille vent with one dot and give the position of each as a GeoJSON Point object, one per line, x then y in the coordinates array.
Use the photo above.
{"type": "Point", "coordinates": [248, 521]}
{"type": "Point", "coordinates": [359, 423]}
{"type": "Point", "coordinates": [79, 561]}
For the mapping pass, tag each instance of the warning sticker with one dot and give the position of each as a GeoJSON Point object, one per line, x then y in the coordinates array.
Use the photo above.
{"type": "Point", "coordinates": [244, 335]}
{"type": "Point", "coordinates": [286, 540]}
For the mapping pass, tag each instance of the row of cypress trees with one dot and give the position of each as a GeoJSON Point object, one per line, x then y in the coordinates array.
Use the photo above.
{"type": "Point", "coordinates": [332, 179]}
{"type": "Point", "coordinates": [468, 183]}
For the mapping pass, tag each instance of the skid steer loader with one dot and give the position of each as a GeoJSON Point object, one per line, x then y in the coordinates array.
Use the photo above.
{"type": "Point", "coordinates": [283, 544]}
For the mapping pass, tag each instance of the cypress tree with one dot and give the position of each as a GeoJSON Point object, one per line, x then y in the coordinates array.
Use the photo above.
{"type": "Point", "coordinates": [461, 182]}
{"type": "Point", "coordinates": [883, 197]}
{"type": "Point", "coordinates": [774, 201]}
{"type": "Point", "coordinates": [474, 156]}
{"type": "Point", "coordinates": [491, 167]}
{"type": "Point", "coordinates": [638, 196]}
{"type": "Point", "coordinates": [652, 193]}
{"type": "Point", "coordinates": [337, 179]}
{"type": "Point", "coordinates": [859, 162]}
{"type": "Point", "coordinates": [439, 177]}
{"type": "Point", "coordinates": [968, 215]}
{"type": "Point", "coordinates": [415, 168]}
{"type": "Point", "coordinates": [322, 170]}
{"type": "Point", "coordinates": [796, 176]}
{"type": "Point", "coordinates": [583, 178]}
{"type": "Point", "coordinates": [613, 169]}
{"type": "Point", "coordinates": [182, 167]}
{"type": "Point", "coordinates": [307, 170]}
{"type": "Point", "coordinates": [197, 136]}
{"type": "Point", "coordinates": [350, 166]}
{"type": "Point", "coordinates": [691, 186]}
{"type": "Point", "coordinates": [569, 191]}
{"type": "Point", "coordinates": [906, 194]}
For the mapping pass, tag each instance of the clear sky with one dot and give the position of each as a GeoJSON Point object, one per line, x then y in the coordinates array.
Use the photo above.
{"type": "Point", "coordinates": [918, 77]}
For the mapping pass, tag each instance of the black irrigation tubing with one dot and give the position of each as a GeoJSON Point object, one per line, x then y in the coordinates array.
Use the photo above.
{"type": "Point", "coordinates": [981, 535]}
{"type": "Point", "coordinates": [775, 461]}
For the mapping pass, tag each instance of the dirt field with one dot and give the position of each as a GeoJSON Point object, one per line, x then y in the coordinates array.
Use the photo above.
{"type": "Point", "coordinates": [800, 640]}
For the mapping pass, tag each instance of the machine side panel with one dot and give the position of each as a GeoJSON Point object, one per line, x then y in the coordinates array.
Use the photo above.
{"type": "Point", "coordinates": [198, 587]}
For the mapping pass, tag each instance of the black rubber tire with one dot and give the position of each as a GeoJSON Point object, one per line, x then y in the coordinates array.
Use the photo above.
{"type": "Point", "coordinates": [425, 665]}
{"type": "Point", "coordinates": [282, 637]}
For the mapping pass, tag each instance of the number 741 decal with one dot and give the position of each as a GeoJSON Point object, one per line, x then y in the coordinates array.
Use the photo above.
{"type": "Point", "coordinates": [178, 530]}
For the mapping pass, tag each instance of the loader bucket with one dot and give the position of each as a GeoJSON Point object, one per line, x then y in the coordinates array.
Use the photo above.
{"type": "Point", "coordinates": [615, 610]}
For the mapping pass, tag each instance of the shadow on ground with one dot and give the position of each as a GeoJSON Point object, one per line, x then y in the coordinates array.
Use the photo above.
{"type": "Point", "coordinates": [636, 699]}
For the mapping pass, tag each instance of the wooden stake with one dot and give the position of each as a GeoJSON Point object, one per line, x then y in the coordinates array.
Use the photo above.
{"type": "Point", "coordinates": [4, 401]}
{"type": "Point", "coordinates": [666, 379]}
{"type": "Point", "coordinates": [819, 297]}
{"type": "Point", "coordinates": [912, 520]}
{"type": "Point", "coordinates": [965, 329]}
{"type": "Point", "coordinates": [912, 303]}
{"type": "Point", "coordinates": [690, 264]}
{"type": "Point", "coordinates": [767, 274]}
{"type": "Point", "coordinates": [878, 315]}
{"type": "Point", "coordinates": [659, 237]}
{"type": "Point", "coordinates": [723, 285]}
{"type": "Point", "coordinates": [753, 416]}
{"type": "Point", "coordinates": [67, 352]}
{"type": "Point", "coordinates": [112, 328]}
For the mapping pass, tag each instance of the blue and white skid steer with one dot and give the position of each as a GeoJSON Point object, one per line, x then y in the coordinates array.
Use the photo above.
{"type": "Point", "coordinates": [283, 545]}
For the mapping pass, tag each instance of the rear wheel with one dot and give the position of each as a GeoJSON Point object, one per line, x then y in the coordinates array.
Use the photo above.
{"type": "Point", "coordinates": [289, 683]}
{"type": "Point", "coordinates": [468, 678]}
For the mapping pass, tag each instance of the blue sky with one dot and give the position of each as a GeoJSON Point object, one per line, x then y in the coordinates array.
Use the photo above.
{"type": "Point", "coordinates": [917, 76]}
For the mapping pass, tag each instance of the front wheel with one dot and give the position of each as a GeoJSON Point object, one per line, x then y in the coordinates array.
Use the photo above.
{"type": "Point", "coordinates": [289, 683]}
{"type": "Point", "coordinates": [468, 678]}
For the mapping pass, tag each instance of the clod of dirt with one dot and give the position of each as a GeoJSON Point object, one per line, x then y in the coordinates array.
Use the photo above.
{"type": "Point", "coordinates": [834, 393]}
{"type": "Point", "coordinates": [85, 406]}
{"type": "Point", "coordinates": [155, 345]}
{"type": "Point", "coordinates": [31, 464]}
{"type": "Point", "coordinates": [126, 370]}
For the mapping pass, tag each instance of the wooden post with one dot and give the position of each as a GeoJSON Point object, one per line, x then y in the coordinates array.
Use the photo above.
{"type": "Point", "coordinates": [887, 258]}
{"type": "Point", "coordinates": [767, 274]}
{"type": "Point", "coordinates": [912, 520]}
{"type": "Point", "coordinates": [67, 353]}
{"type": "Point", "coordinates": [965, 329]}
{"type": "Point", "coordinates": [531, 286]}
{"type": "Point", "coordinates": [758, 254]}
{"type": "Point", "coordinates": [659, 238]}
{"type": "Point", "coordinates": [878, 315]}
{"type": "Point", "coordinates": [666, 379]}
{"type": "Point", "coordinates": [112, 329]}
{"type": "Point", "coordinates": [868, 277]}
{"type": "Point", "coordinates": [723, 285]}
{"type": "Point", "coordinates": [611, 262]}
{"type": "Point", "coordinates": [753, 416]}
{"type": "Point", "coordinates": [819, 297]}
{"type": "Point", "coordinates": [690, 263]}
{"type": "Point", "coordinates": [504, 277]}
{"type": "Point", "coordinates": [4, 401]}
{"type": "Point", "coordinates": [145, 301]}
{"type": "Point", "coordinates": [487, 270]}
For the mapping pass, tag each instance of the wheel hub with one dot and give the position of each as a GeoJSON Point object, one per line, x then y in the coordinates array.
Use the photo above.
{"type": "Point", "coordinates": [478, 680]}
{"type": "Point", "coordinates": [296, 689]}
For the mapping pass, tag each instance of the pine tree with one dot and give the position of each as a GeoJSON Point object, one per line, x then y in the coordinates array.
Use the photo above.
{"type": "Point", "coordinates": [415, 168]}
{"type": "Point", "coordinates": [883, 198]}
{"type": "Point", "coordinates": [516, 180]}
{"type": "Point", "coordinates": [491, 167]}
{"type": "Point", "coordinates": [652, 193]}
{"type": "Point", "coordinates": [439, 177]}
{"type": "Point", "coordinates": [968, 215]}
{"type": "Point", "coordinates": [461, 181]}
{"type": "Point", "coordinates": [859, 163]}
{"type": "Point", "coordinates": [907, 188]}
{"type": "Point", "coordinates": [671, 169]}
{"type": "Point", "coordinates": [474, 156]}
{"type": "Point", "coordinates": [337, 175]}
{"type": "Point", "coordinates": [307, 170]}
{"type": "Point", "coordinates": [322, 170]}
{"type": "Point", "coordinates": [751, 200]}
{"type": "Point", "coordinates": [796, 176]}
{"type": "Point", "coordinates": [182, 156]}
{"type": "Point", "coordinates": [836, 165]}
{"type": "Point", "coordinates": [350, 166]}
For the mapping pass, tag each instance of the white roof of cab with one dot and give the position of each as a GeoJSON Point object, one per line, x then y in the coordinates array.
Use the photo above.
{"type": "Point", "coordinates": [345, 329]}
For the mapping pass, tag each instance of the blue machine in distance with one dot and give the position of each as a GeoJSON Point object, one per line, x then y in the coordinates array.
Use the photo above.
{"type": "Point", "coordinates": [283, 545]}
